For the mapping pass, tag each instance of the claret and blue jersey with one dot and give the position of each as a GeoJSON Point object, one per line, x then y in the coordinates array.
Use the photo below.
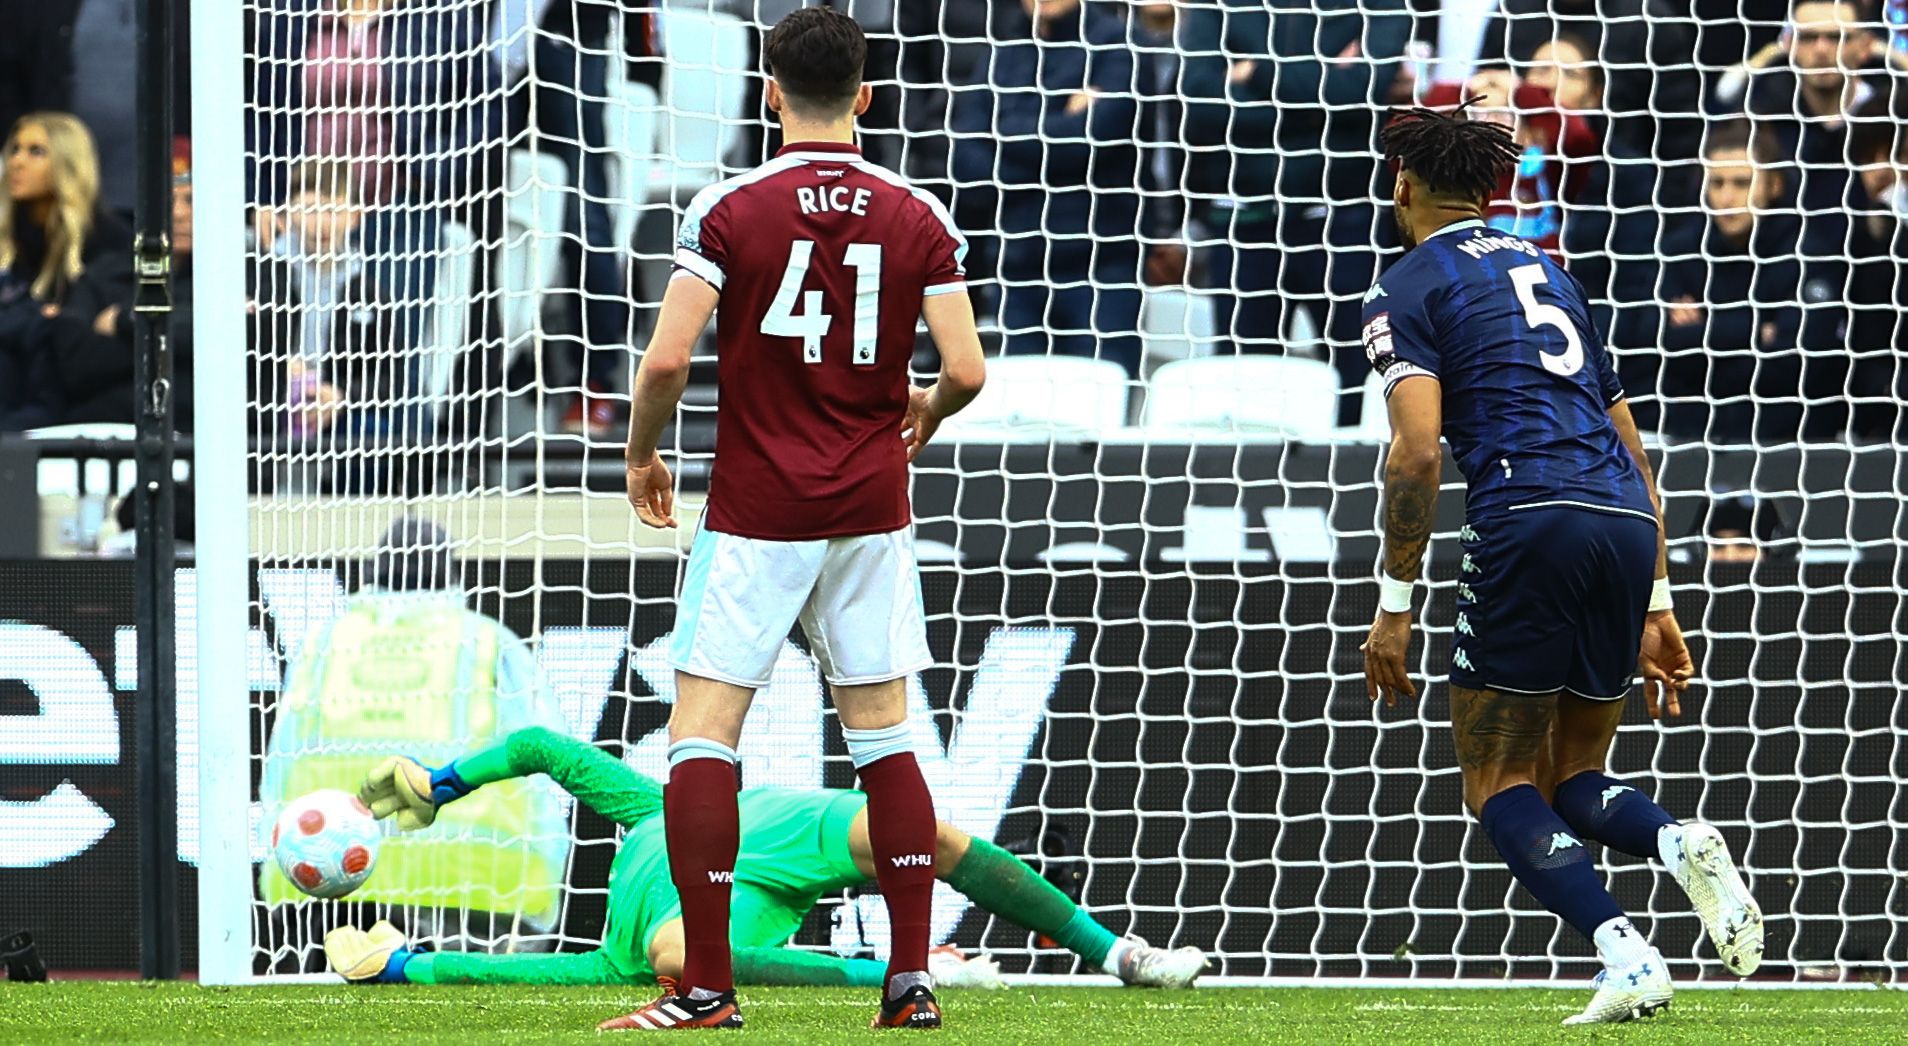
{"type": "Point", "coordinates": [1527, 384]}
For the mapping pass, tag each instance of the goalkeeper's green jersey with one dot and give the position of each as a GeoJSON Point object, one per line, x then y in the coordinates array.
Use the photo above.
{"type": "Point", "coordinates": [794, 845]}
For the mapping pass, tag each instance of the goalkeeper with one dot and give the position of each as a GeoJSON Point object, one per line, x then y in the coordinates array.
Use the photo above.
{"type": "Point", "coordinates": [796, 846]}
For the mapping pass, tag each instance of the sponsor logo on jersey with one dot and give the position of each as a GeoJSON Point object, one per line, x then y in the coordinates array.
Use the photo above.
{"type": "Point", "coordinates": [1376, 292]}
{"type": "Point", "coordinates": [1561, 841]}
{"type": "Point", "coordinates": [1377, 336]}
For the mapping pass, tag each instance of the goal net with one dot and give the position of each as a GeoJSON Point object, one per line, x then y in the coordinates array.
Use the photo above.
{"type": "Point", "coordinates": [1147, 549]}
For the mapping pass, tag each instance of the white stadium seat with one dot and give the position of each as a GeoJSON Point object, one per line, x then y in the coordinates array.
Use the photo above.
{"type": "Point", "coordinates": [704, 88]}
{"type": "Point", "coordinates": [1268, 395]}
{"type": "Point", "coordinates": [1043, 396]}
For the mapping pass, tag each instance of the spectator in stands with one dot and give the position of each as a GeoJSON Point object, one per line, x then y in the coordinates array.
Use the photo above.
{"type": "Point", "coordinates": [1559, 145]}
{"type": "Point", "coordinates": [1878, 330]}
{"type": "Point", "coordinates": [1614, 201]}
{"type": "Point", "coordinates": [1057, 133]}
{"type": "Point", "coordinates": [77, 56]}
{"type": "Point", "coordinates": [945, 46]}
{"type": "Point", "coordinates": [1280, 168]}
{"type": "Point", "coordinates": [577, 48]}
{"type": "Point", "coordinates": [92, 338]}
{"type": "Point", "coordinates": [1731, 321]}
{"type": "Point", "coordinates": [404, 91]}
{"type": "Point", "coordinates": [1653, 90]}
{"type": "Point", "coordinates": [1807, 88]}
{"type": "Point", "coordinates": [52, 234]}
{"type": "Point", "coordinates": [339, 312]}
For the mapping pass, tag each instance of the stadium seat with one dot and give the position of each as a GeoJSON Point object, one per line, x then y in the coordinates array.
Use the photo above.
{"type": "Point", "coordinates": [445, 338]}
{"type": "Point", "coordinates": [1268, 395]}
{"type": "Point", "coordinates": [630, 131]}
{"type": "Point", "coordinates": [533, 248]}
{"type": "Point", "coordinates": [1175, 325]}
{"type": "Point", "coordinates": [1039, 397]}
{"type": "Point", "coordinates": [703, 92]}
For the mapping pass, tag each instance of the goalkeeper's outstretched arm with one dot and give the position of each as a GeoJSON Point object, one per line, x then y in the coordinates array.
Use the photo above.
{"type": "Point", "coordinates": [413, 792]}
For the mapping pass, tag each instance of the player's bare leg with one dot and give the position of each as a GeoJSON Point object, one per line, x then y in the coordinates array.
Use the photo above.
{"type": "Point", "coordinates": [1598, 806]}
{"type": "Point", "coordinates": [902, 839]}
{"type": "Point", "coordinates": [1003, 884]}
{"type": "Point", "coordinates": [704, 831]}
{"type": "Point", "coordinates": [1501, 742]}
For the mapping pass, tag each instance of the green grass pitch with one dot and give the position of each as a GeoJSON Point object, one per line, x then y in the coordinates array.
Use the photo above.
{"type": "Point", "coordinates": [72, 1012]}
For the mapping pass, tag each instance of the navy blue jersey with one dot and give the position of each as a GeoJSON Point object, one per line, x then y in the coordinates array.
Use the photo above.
{"type": "Point", "coordinates": [1527, 383]}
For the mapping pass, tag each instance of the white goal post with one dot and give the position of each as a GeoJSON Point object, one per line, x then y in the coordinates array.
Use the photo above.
{"type": "Point", "coordinates": [1146, 587]}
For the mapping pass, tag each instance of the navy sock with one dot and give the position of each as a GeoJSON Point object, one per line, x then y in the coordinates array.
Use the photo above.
{"type": "Point", "coordinates": [1551, 862]}
{"type": "Point", "coordinates": [1597, 806]}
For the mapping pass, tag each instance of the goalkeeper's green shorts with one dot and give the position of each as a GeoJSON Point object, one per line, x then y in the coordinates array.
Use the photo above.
{"type": "Point", "coordinates": [794, 850]}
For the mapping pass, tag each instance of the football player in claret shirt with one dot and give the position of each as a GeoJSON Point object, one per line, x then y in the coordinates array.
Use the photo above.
{"type": "Point", "coordinates": [1563, 590]}
{"type": "Point", "coordinates": [816, 266]}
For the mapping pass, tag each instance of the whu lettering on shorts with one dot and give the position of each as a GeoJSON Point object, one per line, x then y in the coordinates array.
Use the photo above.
{"type": "Point", "coordinates": [913, 861]}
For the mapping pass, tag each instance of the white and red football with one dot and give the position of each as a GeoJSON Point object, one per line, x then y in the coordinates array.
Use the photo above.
{"type": "Point", "coordinates": [326, 843]}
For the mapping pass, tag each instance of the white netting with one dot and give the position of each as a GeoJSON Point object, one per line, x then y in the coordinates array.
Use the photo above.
{"type": "Point", "coordinates": [1149, 566]}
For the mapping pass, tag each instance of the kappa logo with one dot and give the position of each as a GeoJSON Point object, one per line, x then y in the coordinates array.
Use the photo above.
{"type": "Point", "coordinates": [1612, 792]}
{"type": "Point", "coordinates": [1562, 841]}
{"type": "Point", "coordinates": [1464, 626]}
{"type": "Point", "coordinates": [1462, 660]}
{"type": "Point", "coordinates": [1376, 292]}
{"type": "Point", "coordinates": [913, 861]}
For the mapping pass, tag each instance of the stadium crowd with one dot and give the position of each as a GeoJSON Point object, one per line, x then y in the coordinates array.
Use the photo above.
{"type": "Point", "coordinates": [1727, 180]}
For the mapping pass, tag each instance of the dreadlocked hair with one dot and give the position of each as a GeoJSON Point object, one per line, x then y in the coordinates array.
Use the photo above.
{"type": "Point", "coordinates": [1451, 154]}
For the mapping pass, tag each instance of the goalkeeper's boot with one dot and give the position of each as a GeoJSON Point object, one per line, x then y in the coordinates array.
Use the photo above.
{"type": "Point", "coordinates": [951, 969]}
{"type": "Point", "coordinates": [674, 1012]}
{"type": "Point", "coordinates": [1140, 964]}
{"type": "Point", "coordinates": [362, 957]}
{"type": "Point", "coordinates": [1628, 993]}
{"type": "Point", "coordinates": [1699, 859]}
{"type": "Point", "coordinates": [914, 1008]}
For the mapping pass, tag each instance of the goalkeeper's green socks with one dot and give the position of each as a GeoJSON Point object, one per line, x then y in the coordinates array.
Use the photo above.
{"type": "Point", "coordinates": [1006, 886]}
{"type": "Point", "coordinates": [789, 966]}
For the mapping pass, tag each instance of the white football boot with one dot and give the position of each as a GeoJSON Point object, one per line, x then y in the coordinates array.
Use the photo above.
{"type": "Point", "coordinates": [1141, 965]}
{"type": "Point", "coordinates": [1629, 993]}
{"type": "Point", "coordinates": [1700, 861]}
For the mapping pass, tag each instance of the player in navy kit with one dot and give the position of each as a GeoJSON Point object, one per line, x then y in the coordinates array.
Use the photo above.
{"type": "Point", "coordinates": [816, 266]}
{"type": "Point", "coordinates": [1563, 590]}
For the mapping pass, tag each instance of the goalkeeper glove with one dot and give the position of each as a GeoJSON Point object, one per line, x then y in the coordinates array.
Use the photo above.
{"type": "Point", "coordinates": [411, 791]}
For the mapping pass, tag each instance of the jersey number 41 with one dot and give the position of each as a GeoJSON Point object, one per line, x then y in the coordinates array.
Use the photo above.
{"type": "Point", "coordinates": [813, 323]}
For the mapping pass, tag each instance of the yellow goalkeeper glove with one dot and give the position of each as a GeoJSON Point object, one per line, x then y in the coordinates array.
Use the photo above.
{"type": "Point", "coordinates": [404, 788]}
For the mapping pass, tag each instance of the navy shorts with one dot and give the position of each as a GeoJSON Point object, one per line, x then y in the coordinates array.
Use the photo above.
{"type": "Point", "coordinates": [1553, 599]}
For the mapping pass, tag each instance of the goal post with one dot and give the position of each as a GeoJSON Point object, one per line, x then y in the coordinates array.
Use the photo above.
{"type": "Point", "coordinates": [222, 711]}
{"type": "Point", "coordinates": [1146, 591]}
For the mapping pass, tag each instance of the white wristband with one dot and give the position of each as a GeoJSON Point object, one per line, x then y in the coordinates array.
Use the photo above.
{"type": "Point", "coordinates": [1660, 595]}
{"type": "Point", "coordinates": [1394, 596]}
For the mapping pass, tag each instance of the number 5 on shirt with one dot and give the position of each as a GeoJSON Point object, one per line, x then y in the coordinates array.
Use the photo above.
{"type": "Point", "coordinates": [1526, 278]}
{"type": "Point", "coordinates": [812, 325]}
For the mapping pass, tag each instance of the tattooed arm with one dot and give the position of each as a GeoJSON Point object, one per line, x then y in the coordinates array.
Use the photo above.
{"type": "Point", "coordinates": [1411, 500]}
{"type": "Point", "coordinates": [1411, 474]}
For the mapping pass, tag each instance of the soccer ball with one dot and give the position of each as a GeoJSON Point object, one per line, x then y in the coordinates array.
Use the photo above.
{"type": "Point", "coordinates": [326, 843]}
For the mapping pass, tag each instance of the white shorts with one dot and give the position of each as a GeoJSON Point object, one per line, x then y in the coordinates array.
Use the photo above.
{"type": "Point", "coordinates": [858, 600]}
